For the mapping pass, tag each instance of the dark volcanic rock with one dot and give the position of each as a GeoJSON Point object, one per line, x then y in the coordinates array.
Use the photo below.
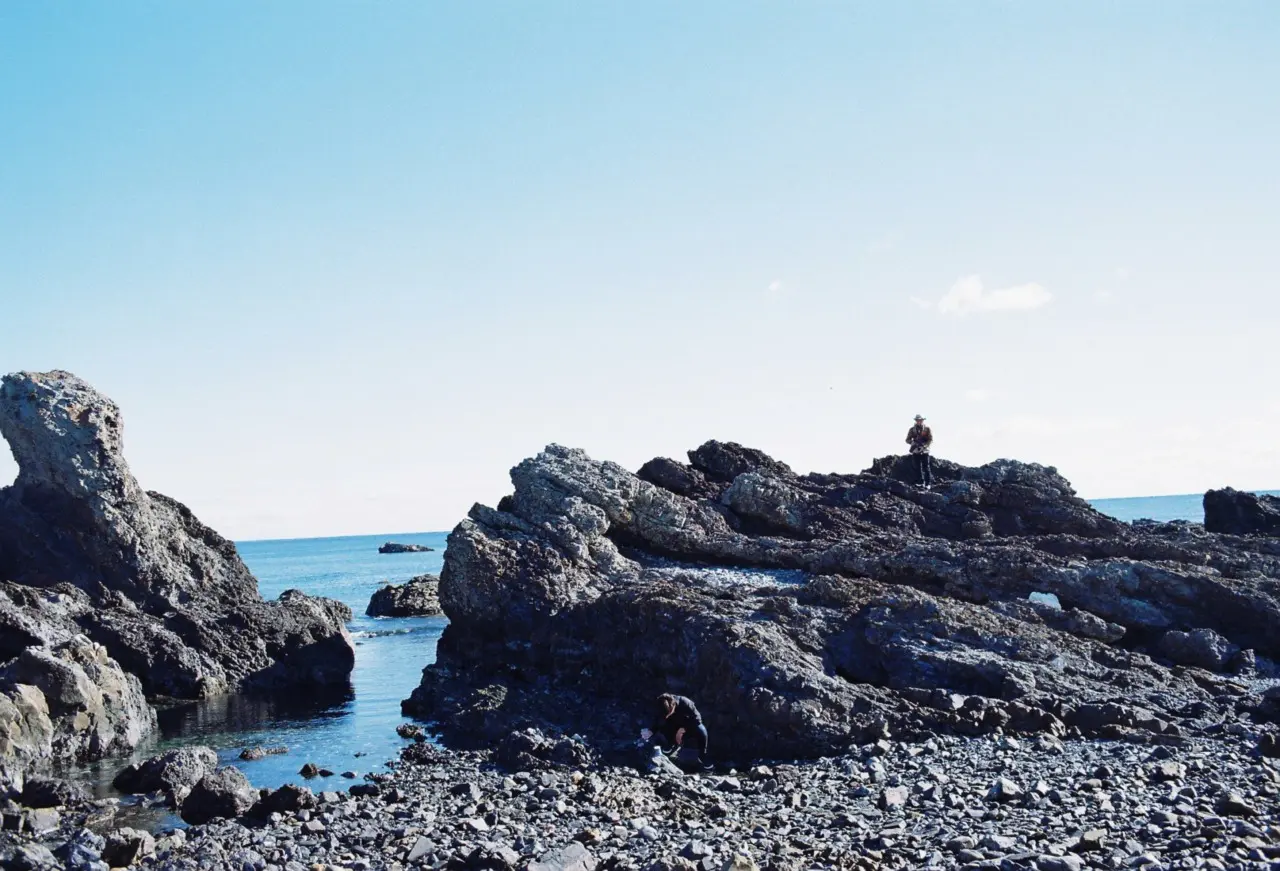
{"type": "Point", "coordinates": [396, 547]}
{"type": "Point", "coordinates": [225, 792]}
{"type": "Point", "coordinates": [42, 792]}
{"type": "Point", "coordinates": [807, 613]}
{"type": "Point", "coordinates": [1237, 513]}
{"type": "Point", "coordinates": [85, 550]}
{"type": "Point", "coordinates": [173, 772]}
{"type": "Point", "coordinates": [416, 597]}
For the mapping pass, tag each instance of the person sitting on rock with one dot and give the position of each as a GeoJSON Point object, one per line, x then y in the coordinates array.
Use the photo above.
{"type": "Point", "coordinates": [920, 437]}
{"type": "Point", "coordinates": [680, 725]}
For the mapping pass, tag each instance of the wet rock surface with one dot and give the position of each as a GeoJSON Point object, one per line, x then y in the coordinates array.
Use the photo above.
{"type": "Point", "coordinates": [85, 551]}
{"type": "Point", "coordinates": [66, 703]}
{"type": "Point", "coordinates": [944, 802]}
{"type": "Point", "coordinates": [809, 613]}
{"type": "Point", "coordinates": [416, 597]}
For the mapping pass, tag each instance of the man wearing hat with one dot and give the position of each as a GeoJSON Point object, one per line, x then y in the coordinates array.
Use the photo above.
{"type": "Point", "coordinates": [920, 437]}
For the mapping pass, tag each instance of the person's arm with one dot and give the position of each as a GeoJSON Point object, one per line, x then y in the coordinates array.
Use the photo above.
{"type": "Point", "coordinates": [928, 437]}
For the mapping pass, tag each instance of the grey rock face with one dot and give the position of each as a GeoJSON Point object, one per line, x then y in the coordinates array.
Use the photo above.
{"type": "Point", "coordinates": [70, 703]}
{"type": "Point", "coordinates": [416, 597]}
{"type": "Point", "coordinates": [173, 772]}
{"type": "Point", "coordinates": [1237, 513]}
{"type": "Point", "coordinates": [225, 792]}
{"type": "Point", "coordinates": [805, 613]}
{"type": "Point", "coordinates": [85, 550]}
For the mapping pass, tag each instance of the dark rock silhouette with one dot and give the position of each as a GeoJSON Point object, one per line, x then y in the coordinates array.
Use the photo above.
{"type": "Point", "coordinates": [806, 613]}
{"type": "Point", "coordinates": [1237, 513]}
{"type": "Point", "coordinates": [416, 597]}
{"type": "Point", "coordinates": [396, 547]}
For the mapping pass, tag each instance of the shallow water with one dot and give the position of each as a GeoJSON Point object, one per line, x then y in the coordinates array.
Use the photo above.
{"type": "Point", "coordinates": [352, 729]}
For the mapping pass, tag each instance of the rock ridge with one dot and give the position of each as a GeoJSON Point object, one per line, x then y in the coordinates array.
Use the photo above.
{"type": "Point", "coordinates": [808, 613]}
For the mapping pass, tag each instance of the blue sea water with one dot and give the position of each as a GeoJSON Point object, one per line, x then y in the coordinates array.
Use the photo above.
{"type": "Point", "coordinates": [356, 732]}
{"type": "Point", "coordinates": [328, 731]}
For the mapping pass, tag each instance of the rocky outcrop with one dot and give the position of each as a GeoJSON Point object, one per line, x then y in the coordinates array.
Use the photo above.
{"type": "Point", "coordinates": [1238, 513]}
{"type": "Point", "coordinates": [225, 792]}
{"type": "Point", "coordinates": [173, 773]}
{"type": "Point", "coordinates": [88, 550]}
{"type": "Point", "coordinates": [416, 597]}
{"type": "Point", "coordinates": [396, 547]}
{"type": "Point", "coordinates": [68, 703]}
{"type": "Point", "coordinates": [806, 613]}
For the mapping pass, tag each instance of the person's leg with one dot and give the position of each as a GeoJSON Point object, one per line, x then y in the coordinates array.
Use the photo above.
{"type": "Point", "coordinates": [919, 461]}
{"type": "Point", "coordinates": [699, 739]}
{"type": "Point", "coordinates": [927, 465]}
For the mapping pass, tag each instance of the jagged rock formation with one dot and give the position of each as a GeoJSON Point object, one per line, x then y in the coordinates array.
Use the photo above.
{"type": "Point", "coordinates": [416, 597]}
{"type": "Point", "coordinates": [806, 613]}
{"type": "Point", "coordinates": [69, 703]}
{"type": "Point", "coordinates": [1235, 513]}
{"type": "Point", "coordinates": [84, 549]}
{"type": "Point", "coordinates": [173, 772]}
{"type": "Point", "coordinates": [396, 547]}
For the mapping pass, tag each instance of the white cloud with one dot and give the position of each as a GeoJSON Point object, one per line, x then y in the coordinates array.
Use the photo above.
{"type": "Point", "coordinates": [921, 303]}
{"type": "Point", "coordinates": [1103, 295]}
{"type": "Point", "coordinates": [776, 286]}
{"type": "Point", "coordinates": [968, 295]}
{"type": "Point", "coordinates": [1123, 272]}
{"type": "Point", "coordinates": [977, 394]}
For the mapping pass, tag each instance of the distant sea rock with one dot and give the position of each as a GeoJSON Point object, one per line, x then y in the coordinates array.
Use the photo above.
{"type": "Point", "coordinates": [806, 614]}
{"type": "Point", "coordinates": [84, 550]}
{"type": "Point", "coordinates": [416, 597]}
{"type": "Point", "coordinates": [396, 547]}
{"type": "Point", "coordinates": [1239, 513]}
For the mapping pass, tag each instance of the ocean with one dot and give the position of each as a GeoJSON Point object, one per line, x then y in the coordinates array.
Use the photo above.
{"type": "Point", "coordinates": [355, 732]}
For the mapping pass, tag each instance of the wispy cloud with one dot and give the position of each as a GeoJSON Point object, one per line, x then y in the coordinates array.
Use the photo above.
{"type": "Point", "coordinates": [968, 296]}
{"type": "Point", "coordinates": [977, 394]}
{"type": "Point", "coordinates": [1123, 272]}
{"type": "Point", "coordinates": [776, 286]}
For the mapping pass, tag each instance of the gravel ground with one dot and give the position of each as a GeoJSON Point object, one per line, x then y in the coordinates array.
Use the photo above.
{"type": "Point", "coordinates": [946, 803]}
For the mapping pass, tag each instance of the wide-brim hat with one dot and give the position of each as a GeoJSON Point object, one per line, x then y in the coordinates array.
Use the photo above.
{"type": "Point", "coordinates": [919, 417]}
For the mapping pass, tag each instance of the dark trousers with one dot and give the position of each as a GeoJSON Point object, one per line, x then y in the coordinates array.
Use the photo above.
{"type": "Point", "coordinates": [695, 738]}
{"type": "Point", "coordinates": [924, 470]}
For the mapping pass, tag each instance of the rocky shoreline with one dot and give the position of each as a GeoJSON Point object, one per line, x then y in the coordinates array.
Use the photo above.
{"type": "Point", "coordinates": [944, 802]}
{"type": "Point", "coordinates": [987, 675]}
{"type": "Point", "coordinates": [112, 596]}
{"type": "Point", "coordinates": [810, 613]}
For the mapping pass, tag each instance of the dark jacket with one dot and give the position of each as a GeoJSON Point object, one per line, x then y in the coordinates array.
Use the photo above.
{"type": "Point", "coordinates": [685, 717]}
{"type": "Point", "coordinates": [920, 437]}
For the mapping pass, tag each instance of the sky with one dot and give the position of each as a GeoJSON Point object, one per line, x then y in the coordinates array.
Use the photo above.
{"type": "Point", "coordinates": [342, 265]}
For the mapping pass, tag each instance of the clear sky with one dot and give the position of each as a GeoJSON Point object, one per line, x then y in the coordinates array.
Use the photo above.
{"type": "Point", "coordinates": [344, 264]}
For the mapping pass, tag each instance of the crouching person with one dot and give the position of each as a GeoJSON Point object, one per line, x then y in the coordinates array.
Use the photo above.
{"type": "Point", "coordinates": [679, 726]}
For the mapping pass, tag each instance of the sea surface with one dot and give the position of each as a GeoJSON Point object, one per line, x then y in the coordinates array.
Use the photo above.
{"type": "Point", "coordinates": [355, 731]}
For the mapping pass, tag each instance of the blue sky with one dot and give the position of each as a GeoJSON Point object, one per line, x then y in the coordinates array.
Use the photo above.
{"type": "Point", "coordinates": [343, 264]}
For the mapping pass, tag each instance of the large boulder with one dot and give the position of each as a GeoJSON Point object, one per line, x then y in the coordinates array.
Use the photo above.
{"type": "Point", "coordinates": [173, 772]}
{"type": "Point", "coordinates": [70, 703]}
{"type": "Point", "coordinates": [805, 613]}
{"type": "Point", "coordinates": [225, 792]}
{"type": "Point", "coordinates": [1235, 512]}
{"type": "Point", "coordinates": [90, 551]}
{"type": "Point", "coordinates": [416, 597]}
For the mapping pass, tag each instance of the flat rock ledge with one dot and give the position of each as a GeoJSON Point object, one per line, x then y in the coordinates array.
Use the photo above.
{"type": "Point", "coordinates": [807, 614]}
{"type": "Point", "coordinates": [416, 597]}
